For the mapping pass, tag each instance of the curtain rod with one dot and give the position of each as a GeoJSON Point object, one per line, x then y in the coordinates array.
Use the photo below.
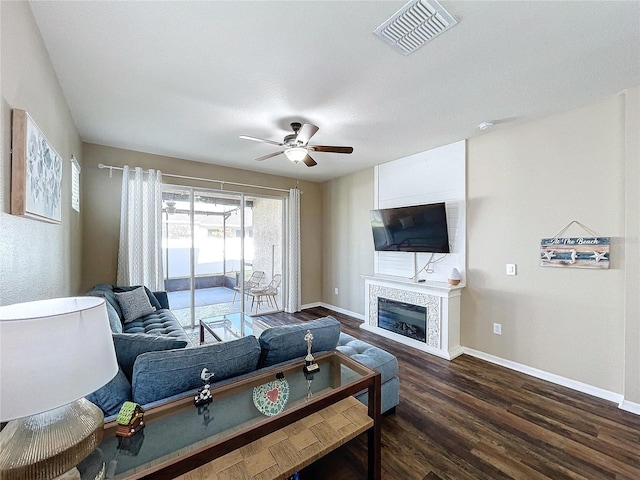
{"type": "Point", "coordinates": [221, 182]}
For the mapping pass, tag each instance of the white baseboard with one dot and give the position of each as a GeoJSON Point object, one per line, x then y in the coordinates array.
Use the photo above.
{"type": "Point", "coordinates": [628, 406]}
{"type": "Point", "coordinates": [310, 305]}
{"type": "Point", "coordinates": [359, 316]}
{"type": "Point", "coordinates": [334, 308]}
{"type": "Point", "coordinates": [557, 379]}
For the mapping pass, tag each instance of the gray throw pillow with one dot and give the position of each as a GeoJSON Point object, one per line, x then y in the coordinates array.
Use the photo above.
{"type": "Point", "coordinates": [134, 304]}
{"type": "Point", "coordinates": [152, 298]}
{"type": "Point", "coordinates": [129, 345]}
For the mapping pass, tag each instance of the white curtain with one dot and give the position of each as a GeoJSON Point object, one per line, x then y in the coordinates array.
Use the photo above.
{"type": "Point", "coordinates": [293, 277]}
{"type": "Point", "coordinates": [140, 251]}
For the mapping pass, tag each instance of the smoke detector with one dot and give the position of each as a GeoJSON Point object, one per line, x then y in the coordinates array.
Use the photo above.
{"type": "Point", "coordinates": [418, 22]}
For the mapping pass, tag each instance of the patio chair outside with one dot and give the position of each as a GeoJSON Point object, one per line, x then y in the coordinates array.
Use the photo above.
{"type": "Point", "coordinates": [252, 282]}
{"type": "Point", "coordinates": [269, 291]}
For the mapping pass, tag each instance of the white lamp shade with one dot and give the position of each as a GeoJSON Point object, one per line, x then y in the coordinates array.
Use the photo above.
{"type": "Point", "coordinates": [296, 154]}
{"type": "Point", "coordinates": [53, 352]}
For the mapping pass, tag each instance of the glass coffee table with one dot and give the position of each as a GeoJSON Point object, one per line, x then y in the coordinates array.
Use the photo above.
{"type": "Point", "coordinates": [229, 327]}
{"type": "Point", "coordinates": [179, 438]}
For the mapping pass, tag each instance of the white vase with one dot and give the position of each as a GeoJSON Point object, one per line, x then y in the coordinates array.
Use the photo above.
{"type": "Point", "coordinates": [454, 277]}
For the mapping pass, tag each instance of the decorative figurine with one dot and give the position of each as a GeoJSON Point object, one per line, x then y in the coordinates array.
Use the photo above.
{"type": "Point", "coordinates": [310, 365]}
{"type": "Point", "coordinates": [204, 396]}
{"type": "Point", "coordinates": [130, 419]}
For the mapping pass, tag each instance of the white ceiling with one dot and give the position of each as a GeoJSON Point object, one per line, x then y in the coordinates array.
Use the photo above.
{"type": "Point", "coordinates": [185, 79]}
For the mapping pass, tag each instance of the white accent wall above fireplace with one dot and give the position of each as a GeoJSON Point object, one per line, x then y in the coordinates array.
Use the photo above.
{"type": "Point", "coordinates": [433, 176]}
{"type": "Point", "coordinates": [437, 175]}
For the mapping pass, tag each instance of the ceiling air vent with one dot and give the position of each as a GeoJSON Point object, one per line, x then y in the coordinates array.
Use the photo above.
{"type": "Point", "coordinates": [414, 25]}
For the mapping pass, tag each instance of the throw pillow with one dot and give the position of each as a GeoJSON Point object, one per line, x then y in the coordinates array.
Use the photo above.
{"type": "Point", "coordinates": [134, 304]}
{"type": "Point", "coordinates": [152, 298]}
{"type": "Point", "coordinates": [158, 375]}
{"type": "Point", "coordinates": [111, 397]}
{"type": "Point", "coordinates": [129, 345]}
{"type": "Point", "coordinates": [281, 344]}
{"type": "Point", "coordinates": [114, 319]}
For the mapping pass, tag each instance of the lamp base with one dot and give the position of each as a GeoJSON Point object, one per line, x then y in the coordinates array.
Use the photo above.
{"type": "Point", "coordinates": [46, 445]}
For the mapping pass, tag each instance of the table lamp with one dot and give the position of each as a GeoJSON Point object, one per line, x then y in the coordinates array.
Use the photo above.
{"type": "Point", "coordinates": [52, 354]}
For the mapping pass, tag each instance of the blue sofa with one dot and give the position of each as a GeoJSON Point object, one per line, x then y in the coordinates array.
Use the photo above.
{"type": "Point", "coordinates": [158, 363]}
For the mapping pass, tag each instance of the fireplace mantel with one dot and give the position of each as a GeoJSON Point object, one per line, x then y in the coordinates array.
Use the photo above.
{"type": "Point", "coordinates": [441, 300]}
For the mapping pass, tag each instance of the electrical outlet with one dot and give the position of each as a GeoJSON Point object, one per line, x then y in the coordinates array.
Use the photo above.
{"type": "Point", "coordinates": [335, 291]}
{"type": "Point", "coordinates": [497, 328]}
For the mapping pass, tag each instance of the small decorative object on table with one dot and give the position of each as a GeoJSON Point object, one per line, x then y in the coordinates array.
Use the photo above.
{"type": "Point", "coordinates": [204, 396]}
{"type": "Point", "coordinates": [310, 366]}
{"type": "Point", "coordinates": [130, 419]}
{"type": "Point", "coordinates": [271, 397]}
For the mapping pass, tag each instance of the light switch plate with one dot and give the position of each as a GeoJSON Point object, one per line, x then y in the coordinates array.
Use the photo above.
{"type": "Point", "coordinates": [511, 269]}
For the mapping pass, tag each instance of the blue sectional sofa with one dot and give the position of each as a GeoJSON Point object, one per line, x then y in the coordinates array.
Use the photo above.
{"type": "Point", "coordinates": [158, 363]}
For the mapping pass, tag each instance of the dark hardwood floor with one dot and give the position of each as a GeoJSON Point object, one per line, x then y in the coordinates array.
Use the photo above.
{"type": "Point", "coordinates": [470, 419]}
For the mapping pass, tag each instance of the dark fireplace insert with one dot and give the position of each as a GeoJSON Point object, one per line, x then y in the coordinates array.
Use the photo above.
{"type": "Point", "coordinates": [403, 318]}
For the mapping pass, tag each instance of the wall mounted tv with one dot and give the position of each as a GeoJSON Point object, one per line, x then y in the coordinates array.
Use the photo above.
{"type": "Point", "coordinates": [417, 228]}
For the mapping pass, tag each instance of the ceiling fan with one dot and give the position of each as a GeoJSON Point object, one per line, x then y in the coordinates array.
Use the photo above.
{"type": "Point", "coordinates": [296, 145]}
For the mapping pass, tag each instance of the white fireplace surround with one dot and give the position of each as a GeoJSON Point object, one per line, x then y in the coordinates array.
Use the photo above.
{"type": "Point", "coordinates": [442, 303]}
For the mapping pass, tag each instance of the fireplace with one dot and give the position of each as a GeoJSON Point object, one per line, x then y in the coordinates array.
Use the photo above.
{"type": "Point", "coordinates": [422, 315]}
{"type": "Point", "coordinates": [403, 318]}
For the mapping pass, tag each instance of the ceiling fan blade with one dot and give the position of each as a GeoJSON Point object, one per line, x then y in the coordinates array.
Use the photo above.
{"type": "Point", "coordinates": [308, 161]}
{"type": "Point", "coordinates": [306, 132]}
{"type": "Point", "coordinates": [256, 139]}
{"type": "Point", "coordinates": [326, 148]}
{"type": "Point", "coordinates": [260, 159]}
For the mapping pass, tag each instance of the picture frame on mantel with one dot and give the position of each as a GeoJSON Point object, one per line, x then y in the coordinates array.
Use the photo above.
{"type": "Point", "coordinates": [36, 172]}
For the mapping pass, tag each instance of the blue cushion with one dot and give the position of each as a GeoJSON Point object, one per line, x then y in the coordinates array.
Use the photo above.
{"type": "Point", "coordinates": [105, 291]}
{"type": "Point", "coordinates": [370, 356]}
{"type": "Point", "coordinates": [280, 344]}
{"type": "Point", "coordinates": [161, 322]}
{"type": "Point", "coordinates": [157, 375]}
{"type": "Point", "coordinates": [111, 397]}
{"type": "Point", "coordinates": [130, 345]}
{"type": "Point", "coordinates": [114, 319]}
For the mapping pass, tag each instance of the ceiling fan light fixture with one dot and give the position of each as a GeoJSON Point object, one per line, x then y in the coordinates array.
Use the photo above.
{"type": "Point", "coordinates": [296, 154]}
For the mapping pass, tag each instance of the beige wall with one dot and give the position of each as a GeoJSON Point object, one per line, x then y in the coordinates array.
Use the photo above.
{"type": "Point", "coordinates": [38, 260]}
{"type": "Point", "coordinates": [524, 183]}
{"type": "Point", "coordinates": [632, 247]}
{"type": "Point", "coordinates": [101, 215]}
{"type": "Point", "coordinates": [348, 242]}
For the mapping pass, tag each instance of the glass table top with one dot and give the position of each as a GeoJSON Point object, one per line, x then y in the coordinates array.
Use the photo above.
{"type": "Point", "coordinates": [232, 326]}
{"type": "Point", "coordinates": [179, 429]}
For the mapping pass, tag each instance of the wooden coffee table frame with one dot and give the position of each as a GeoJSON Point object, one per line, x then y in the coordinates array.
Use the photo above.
{"type": "Point", "coordinates": [370, 381]}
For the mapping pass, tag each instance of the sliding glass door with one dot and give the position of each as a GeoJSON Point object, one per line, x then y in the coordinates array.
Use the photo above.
{"type": "Point", "coordinates": [214, 243]}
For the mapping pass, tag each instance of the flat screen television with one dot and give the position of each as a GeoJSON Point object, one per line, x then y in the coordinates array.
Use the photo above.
{"type": "Point", "coordinates": [417, 228]}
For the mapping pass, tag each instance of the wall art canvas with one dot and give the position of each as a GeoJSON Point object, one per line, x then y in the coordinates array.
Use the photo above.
{"type": "Point", "coordinates": [576, 252]}
{"type": "Point", "coordinates": [36, 172]}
